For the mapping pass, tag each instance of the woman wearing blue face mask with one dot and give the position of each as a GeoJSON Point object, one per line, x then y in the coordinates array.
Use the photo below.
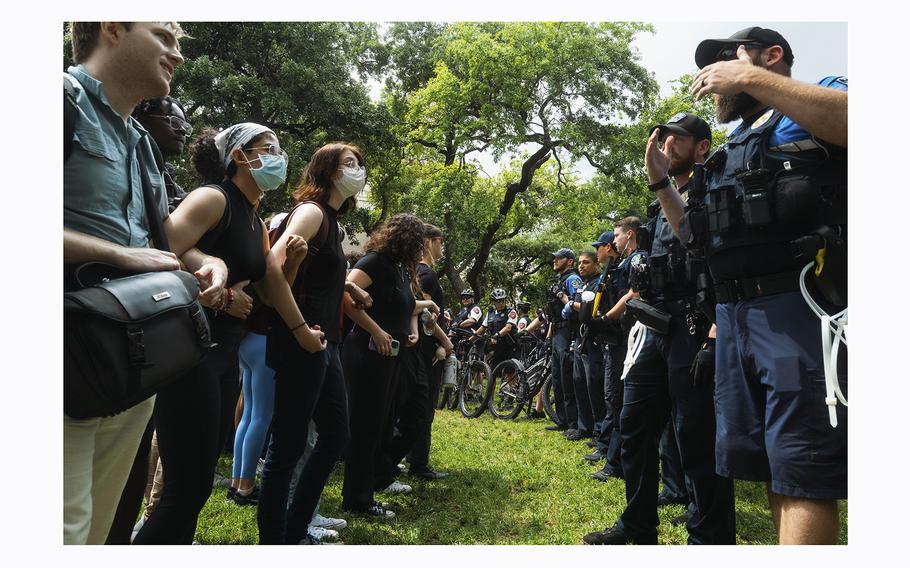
{"type": "Point", "coordinates": [193, 416]}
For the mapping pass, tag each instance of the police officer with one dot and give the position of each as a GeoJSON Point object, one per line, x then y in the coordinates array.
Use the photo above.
{"type": "Point", "coordinates": [501, 323]}
{"type": "Point", "coordinates": [657, 386]}
{"type": "Point", "coordinates": [562, 289]}
{"type": "Point", "coordinates": [784, 168]}
{"type": "Point", "coordinates": [524, 315]}
{"type": "Point", "coordinates": [587, 358]}
{"type": "Point", "coordinates": [617, 291]}
{"type": "Point", "coordinates": [471, 314]}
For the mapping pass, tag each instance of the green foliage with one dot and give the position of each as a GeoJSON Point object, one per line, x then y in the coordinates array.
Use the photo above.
{"type": "Point", "coordinates": [511, 482]}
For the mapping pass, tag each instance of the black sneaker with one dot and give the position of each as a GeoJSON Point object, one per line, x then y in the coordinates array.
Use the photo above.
{"type": "Point", "coordinates": [595, 456]}
{"type": "Point", "coordinates": [604, 475]}
{"type": "Point", "coordinates": [570, 432]}
{"type": "Point", "coordinates": [250, 500]}
{"type": "Point", "coordinates": [590, 443]}
{"type": "Point", "coordinates": [230, 493]}
{"type": "Point", "coordinates": [428, 474]}
{"type": "Point", "coordinates": [664, 501]}
{"type": "Point", "coordinates": [612, 535]}
{"type": "Point", "coordinates": [376, 511]}
{"type": "Point", "coordinates": [557, 428]}
{"type": "Point", "coordinates": [577, 435]}
{"type": "Point", "coordinates": [681, 519]}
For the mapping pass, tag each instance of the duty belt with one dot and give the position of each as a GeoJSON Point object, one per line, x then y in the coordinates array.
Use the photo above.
{"type": "Point", "coordinates": [743, 289]}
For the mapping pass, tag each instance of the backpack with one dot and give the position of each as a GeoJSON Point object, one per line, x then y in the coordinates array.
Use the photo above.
{"type": "Point", "coordinates": [262, 317]}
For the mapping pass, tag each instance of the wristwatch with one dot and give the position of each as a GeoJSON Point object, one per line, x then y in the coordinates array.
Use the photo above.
{"type": "Point", "coordinates": [665, 182]}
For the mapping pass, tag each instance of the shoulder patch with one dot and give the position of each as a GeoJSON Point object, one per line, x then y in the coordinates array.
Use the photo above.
{"type": "Point", "coordinates": [763, 119]}
{"type": "Point", "coordinates": [636, 260]}
{"type": "Point", "coordinates": [513, 314]}
{"type": "Point", "coordinates": [475, 312]}
{"type": "Point", "coordinates": [523, 323]}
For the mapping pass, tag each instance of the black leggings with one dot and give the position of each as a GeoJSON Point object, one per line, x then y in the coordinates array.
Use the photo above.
{"type": "Point", "coordinates": [187, 419]}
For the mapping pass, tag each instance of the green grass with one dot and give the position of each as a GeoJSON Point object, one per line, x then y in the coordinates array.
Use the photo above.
{"type": "Point", "coordinates": [511, 482]}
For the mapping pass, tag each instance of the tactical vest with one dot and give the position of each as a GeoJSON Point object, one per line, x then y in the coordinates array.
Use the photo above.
{"type": "Point", "coordinates": [499, 319]}
{"type": "Point", "coordinates": [464, 314]}
{"type": "Point", "coordinates": [763, 198]}
{"type": "Point", "coordinates": [554, 304]}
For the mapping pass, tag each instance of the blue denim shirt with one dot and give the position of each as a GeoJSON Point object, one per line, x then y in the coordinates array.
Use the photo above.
{"type": "Point", "coordinates": [102, 186]}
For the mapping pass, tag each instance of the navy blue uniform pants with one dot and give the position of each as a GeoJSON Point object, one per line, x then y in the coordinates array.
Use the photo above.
{"type": "Point", "coordinates": [563, 388]}
{"type": "Point", "coordinates": [657, 388]}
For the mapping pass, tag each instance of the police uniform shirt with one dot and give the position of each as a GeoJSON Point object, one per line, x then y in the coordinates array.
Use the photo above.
{"type": "Point", "coordinates": [570, 287]}
{"type": "Point", "coordinates": [622, 274]}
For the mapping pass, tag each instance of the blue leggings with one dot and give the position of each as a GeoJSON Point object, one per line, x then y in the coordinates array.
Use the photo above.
{"type": "Point", "coordinates": [258, 406]}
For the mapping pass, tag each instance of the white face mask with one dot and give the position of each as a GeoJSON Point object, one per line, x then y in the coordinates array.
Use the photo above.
{"type": "Point", "coordinates": [352, 181]}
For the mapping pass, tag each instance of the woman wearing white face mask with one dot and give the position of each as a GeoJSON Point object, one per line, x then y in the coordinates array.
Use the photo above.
{"type": "Point", "coordinates": [193, 415]}
{"type": "Point", "coordinates": [310, 385]}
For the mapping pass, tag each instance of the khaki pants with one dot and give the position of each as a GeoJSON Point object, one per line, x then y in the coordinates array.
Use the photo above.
{"type": "Point", "coordinates": [97, 456]}
{"type": "Point", "coordinates": [155, 479]}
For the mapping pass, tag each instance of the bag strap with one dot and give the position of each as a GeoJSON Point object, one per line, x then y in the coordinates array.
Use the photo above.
{"type": "Point", "coordinates": [156, 225]}
{"type": "Point", "coordinates": [70, 115]}
{"type": "Point", "coordinates": [323, 236]}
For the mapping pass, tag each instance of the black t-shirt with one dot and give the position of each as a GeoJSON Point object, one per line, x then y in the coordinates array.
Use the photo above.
{"type": "Point", "coordinates": [393, 301]}
{"type": "Point", "coordinates": [429, 283]}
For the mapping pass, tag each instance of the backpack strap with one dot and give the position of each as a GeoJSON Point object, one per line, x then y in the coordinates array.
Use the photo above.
{"type": "Point", "coordinates": [313, 245]}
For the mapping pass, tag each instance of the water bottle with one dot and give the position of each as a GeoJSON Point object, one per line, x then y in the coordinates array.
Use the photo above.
{"type": "Point", "coordinates": [448, 372]}
{"type": "Point", "coordinates": [425, 317]}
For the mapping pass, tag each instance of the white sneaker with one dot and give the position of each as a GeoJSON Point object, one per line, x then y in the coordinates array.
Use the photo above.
{"type": "Point", "coordinates": [397, 488]}
{"type": "Point", "coordinates": [321, 534]}
{"type": "Point", "coordinates": [328, 522]}
{"type": "Point", "coordinates": [220, 481]}
{"type": "Point", "coordinates": [402, 469]}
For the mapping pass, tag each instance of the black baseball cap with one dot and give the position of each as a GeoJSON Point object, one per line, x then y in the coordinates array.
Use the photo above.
{"type": "Point", "coordinates": [707, 50]}
{"type": "Point", "coordinates": [605, 238]}
{"type": "Point", "coordinates": [685, 124]}
{"type": "Point", "coordinates": [564, 253]}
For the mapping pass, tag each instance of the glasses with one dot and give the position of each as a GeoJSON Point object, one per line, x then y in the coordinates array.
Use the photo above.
{"type": "Point", "coordinates": [175, 122]}
{"type": "Point", "coordinates": [728, 53]}
{"type": "Point", "coordinates": [271, 149]}
{"type": "Point", "coordinates": [350, 163]}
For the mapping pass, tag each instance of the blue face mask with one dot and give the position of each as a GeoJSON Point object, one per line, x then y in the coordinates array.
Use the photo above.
{"type": "Point", "coordinates": [271, 174]}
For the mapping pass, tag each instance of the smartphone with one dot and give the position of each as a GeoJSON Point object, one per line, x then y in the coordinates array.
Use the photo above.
{"type": "Point", "coordinates": [395, 345]}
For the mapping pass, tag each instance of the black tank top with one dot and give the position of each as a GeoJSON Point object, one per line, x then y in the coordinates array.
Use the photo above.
{"type": "Point", "coordinates": [237, 239]}
{"type": "Point", "coordinates": [323, 282]}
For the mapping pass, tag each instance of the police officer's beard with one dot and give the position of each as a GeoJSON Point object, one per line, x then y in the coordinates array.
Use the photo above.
{"type": "Point", "coordinates": [732, 107]}
{"type": "Point", "coordinates": [681, 165]}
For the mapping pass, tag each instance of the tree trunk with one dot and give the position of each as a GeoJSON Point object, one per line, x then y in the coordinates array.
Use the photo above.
{"type": "Point", "coordinates": [482, 254]}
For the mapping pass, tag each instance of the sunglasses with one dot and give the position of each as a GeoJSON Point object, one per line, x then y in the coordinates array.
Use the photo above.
{"type": "Point", "coordinates": [728, 53]}
{"type": "Point", "coordinates": [175, 122]}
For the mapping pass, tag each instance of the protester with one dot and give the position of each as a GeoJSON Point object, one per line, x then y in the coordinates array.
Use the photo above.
{"type": "Point", "coordinates": [310, 383]}
{"type": "Point", "coordinates": [117, 65]}
{"type": "Point", "coordinates": [194, 416]}
{"type": "Point", "coordinates": [372, 349]}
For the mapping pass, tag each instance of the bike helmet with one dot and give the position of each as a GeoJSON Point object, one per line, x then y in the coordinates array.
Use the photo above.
{"type": "Point", "coordinates": [467, 293]}
{"type": "Point", "coordinates": [498, 294]}
{"type": "Point", "coordinates": [524, 306]}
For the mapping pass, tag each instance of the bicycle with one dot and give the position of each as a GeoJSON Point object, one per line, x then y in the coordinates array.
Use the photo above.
{"type": "Point", "coordinates": [474, 387]}
{"type": "Point", "coordinates": [517, 381]}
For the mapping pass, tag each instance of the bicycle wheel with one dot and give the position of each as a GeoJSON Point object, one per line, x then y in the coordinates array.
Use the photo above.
{"type": "Point", "coordinates": [506, 401]}
{"type": "Point", "coordinates": [475, 391]}
{"type": "Point", "coordinates": [549, 399]}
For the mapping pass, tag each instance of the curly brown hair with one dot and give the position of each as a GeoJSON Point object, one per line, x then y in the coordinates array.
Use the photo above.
{"type": "Point", "coordinates": [318, 176]}
{"type": "Point", "coordinates": [402, 238]}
